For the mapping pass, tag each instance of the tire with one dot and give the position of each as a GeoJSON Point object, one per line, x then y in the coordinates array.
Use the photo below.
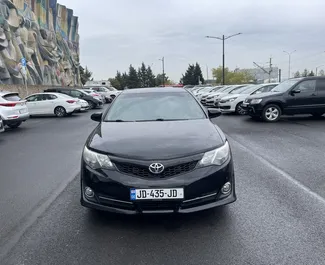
{"type": "Point", "coordinates": [14, 125]}
{"type": "Point", "coordinates": [91, 105]}
{"type": "Point", "coordinates": [239, 110]}
{"type": "Point", "coordinates": [271, 113]}
{"type": "Point", "coordinates": [60, 111]}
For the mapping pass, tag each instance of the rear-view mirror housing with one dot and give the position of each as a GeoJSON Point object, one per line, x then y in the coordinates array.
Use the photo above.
{"type": "Point", "coordinates": [214, 113]}
{"type": "Point", "coordinates": [97, 116]}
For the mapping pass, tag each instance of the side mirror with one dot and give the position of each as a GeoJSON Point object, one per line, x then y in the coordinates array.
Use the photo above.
{"type": "Point", "coordinates": [97, 116]}
{"type": "Point", "coordinates": [214, 113]}
{"type": "Point", "coordinates": [295, 91]}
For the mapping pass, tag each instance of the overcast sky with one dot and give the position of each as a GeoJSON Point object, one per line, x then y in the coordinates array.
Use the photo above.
{"type": "Point", "coordinates": [117, 33]}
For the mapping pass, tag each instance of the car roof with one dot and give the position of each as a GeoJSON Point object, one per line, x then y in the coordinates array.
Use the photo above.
{"type": "Point", "coordinates": [155, 90]}
{"type": "Point", "coordinates": [47, 93]}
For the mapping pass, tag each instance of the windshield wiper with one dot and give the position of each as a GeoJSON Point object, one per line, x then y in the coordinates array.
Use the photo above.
{"type": "Point", "coordinates": [115, 121]}
{"type": "Point", "coordinates": [161, 119]}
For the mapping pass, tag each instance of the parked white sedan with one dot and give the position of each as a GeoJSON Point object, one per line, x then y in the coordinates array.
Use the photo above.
{"type": "Point", "coordinates": [51, 103]}
{"type": "Point", "coordinates": [233, 101]}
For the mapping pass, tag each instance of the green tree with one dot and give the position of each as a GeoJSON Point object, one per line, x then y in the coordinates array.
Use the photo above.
{"type": "Point", "coordinates": [321, 73]}
{"type": "Point", "coordinates": [133, 79]}
{"type": "Point", "coordinates": [297, 74]}
{"type": "Point", "coordinates": [124, 80]}
{"type": "Point", "coordinates": [232, 78]}
{"type": "Point", "coordinates": [193, 75]}
{"type": "Point", "coordinates": [151, 78]}
{"type": "Point", "coordinates": [143, 75]}
{"type": "Point", "coordinates": [311, 73]}
{"type": "Point", "coordinates": [85, 75]}
{"type": "Point", "coordinates": [188, 77]}
{"type": "Point", "coordinates": [198, 74]}
{"type": "Point", "coordinates": [305, 73]}
{"type": "Point", "coordinates": [159, 80]}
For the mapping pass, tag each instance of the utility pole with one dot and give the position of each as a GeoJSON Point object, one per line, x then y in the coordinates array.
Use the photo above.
{"type": "Point", "coordinates": [223, 51]}
{"type": "Point", "coordinates": [317, 69]}
{"type": "Point", "coordinates": [279, 75]}
{"type": "Point", "coordinates": [207, 72]}
{"type": "Point", "coordinates": [267, 72]}
{"type": "Point", "coordinates": [163, 70]}
{"type": "Point", "coordinates": [270, 71]}
{"type": "Point", "coordinates": [289, 54]}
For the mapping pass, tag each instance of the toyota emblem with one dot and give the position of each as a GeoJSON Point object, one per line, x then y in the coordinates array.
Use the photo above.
{"type": "Point", "coordinates": [156, 168]}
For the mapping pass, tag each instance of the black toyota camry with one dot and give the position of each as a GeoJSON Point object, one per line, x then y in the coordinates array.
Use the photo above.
{"type": "Point", "coordinates": [155, 150]}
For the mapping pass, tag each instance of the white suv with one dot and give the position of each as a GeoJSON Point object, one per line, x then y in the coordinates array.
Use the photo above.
{"type": "Point", "coordinates": [13, 110]}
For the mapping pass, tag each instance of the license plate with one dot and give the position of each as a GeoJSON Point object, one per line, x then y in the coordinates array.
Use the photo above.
{"type": "Point", "coordinates": [156, 194]}
{"type": "Point", "coordinates": [22, 111]}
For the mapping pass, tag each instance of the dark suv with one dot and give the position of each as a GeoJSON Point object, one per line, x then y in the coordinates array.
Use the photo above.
{"type": "Point", "coordinates": [75, 93]}
{"type": "Point", "coordinates": [294, 96]}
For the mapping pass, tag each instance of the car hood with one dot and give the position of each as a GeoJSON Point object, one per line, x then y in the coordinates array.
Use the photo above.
{"type": "Point", "coordinates": [156, 140]}
{"type": "Point", "coordinates": [266, 95]}
{"type": "Point", "coordinates": [233, 96]}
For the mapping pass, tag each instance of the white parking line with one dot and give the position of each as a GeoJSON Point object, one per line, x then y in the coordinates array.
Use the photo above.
{"type": "Point", "coordinates": [279, 171]}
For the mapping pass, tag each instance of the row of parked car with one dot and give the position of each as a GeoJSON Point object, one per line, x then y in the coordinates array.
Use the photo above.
{"type": "Point", "coordinates": [58, 101]}
{"type": "Point", "coordinates": [267, 101]}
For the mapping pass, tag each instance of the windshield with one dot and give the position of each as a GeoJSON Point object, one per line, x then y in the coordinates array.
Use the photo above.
{"type": "Point", "coordinates": [155, 106]}
{"type": "Point", "coordinates": [286, 85]}
{"type": "Point", "coordinates": [232, 89]}
{"type": "Point", "coordinates": [240, 89]}
{"type": "Point", "coordinates": [248, 89]}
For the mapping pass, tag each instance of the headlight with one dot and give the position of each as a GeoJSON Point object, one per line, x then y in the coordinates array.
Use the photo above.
{"type": "Point", "coordinates": [96, 160]}
{"type": "Point", "coordinates": [256, 101]}
{"type": "Point", "coordinates": [216, 157]}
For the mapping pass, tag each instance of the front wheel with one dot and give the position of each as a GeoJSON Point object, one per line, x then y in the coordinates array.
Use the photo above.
{"type": "Point", "coordinates": [60, 112]}
{"type": "Point", "coordinates": [91, 105]}
{"type": "Point", "coordinates": [14, 125]}
{"type": "Point", "coordinates": [271, 113]}
{"type": "Point", "coordinates": [239, 109]}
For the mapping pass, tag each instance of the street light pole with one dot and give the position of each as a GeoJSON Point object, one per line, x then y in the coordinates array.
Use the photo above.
{"type": "Point", "coordinates": [289, 54]}
{"type": "Point", "coordinates": [163, 70]}
{"type": "Point", "coordinates": [317, 69]}
{"type": "Point", "coordinates": [223, 52]}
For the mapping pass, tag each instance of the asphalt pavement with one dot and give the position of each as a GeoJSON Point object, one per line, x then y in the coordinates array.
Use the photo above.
{"type": "Point", "coordinates": [277, 219]}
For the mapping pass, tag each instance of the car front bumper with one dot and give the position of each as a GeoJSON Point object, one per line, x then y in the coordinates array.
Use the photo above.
{"type": "Point", "coordinates": [227, 107]}
{"type": "Point", "coordinates": [253, 109]}
{"type": "Point", "coordinates": [202, 190]}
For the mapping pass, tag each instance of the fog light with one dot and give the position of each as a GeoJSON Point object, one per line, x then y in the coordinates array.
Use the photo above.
{"type": "Point", "coordinates": [89, 192]}
{"type": "Point", "coordinates": [226, 189]}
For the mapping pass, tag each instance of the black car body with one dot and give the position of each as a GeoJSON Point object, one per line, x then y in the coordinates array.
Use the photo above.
{"type": "Point", "coordinates": [153, 155]}
{"type": "Point", "coordinates": [75, 93]}
{"type": "Point", "coordinates": [294, 96]}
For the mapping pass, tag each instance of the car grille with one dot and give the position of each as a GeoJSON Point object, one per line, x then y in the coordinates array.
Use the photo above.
{"type": "Point", "coordinates": [143, 171]}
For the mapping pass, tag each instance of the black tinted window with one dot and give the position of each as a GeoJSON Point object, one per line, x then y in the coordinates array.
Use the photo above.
{"type": "Point", "coordinates": [321, 85]}
{"type": "Point", "coordinates": [35, 98]}
{"type": "Point", "coordinates": [49, 97]}
{"type": "Point", "coordinates": [75, 93]}
{"type": "Point", "coordinates": [153, 106]}
{"type": "Point", "coordinates": [307, 86]}
{"type": "Point", "coordinates": [12, 97]}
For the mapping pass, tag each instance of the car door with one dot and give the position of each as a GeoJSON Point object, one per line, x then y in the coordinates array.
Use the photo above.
{"type": "Point", "coordinates": [304, 101]}
{"type": "Point", "coordinates": [50, 103]}
{"type": "Point", "coordinates": [34, 103]}
{"type": "Point", "coordinates": [320, 88]}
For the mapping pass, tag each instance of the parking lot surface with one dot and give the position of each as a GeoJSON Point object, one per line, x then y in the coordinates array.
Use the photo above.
{"type": "Point", "coordinates": [277, 219]}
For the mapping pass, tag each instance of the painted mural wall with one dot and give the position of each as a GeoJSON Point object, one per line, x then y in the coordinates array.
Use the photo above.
{"type": "Point", "coordinates": [46, 34]}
